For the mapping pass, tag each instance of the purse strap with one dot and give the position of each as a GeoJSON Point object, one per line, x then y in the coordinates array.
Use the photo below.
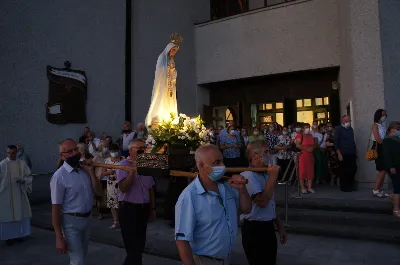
{"type": "Point", "coordinates": [369, 139]}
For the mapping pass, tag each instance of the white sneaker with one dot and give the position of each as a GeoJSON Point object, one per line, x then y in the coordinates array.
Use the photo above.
{"type": "Point", "coordinates": [378, 193]}
{"type": "Point", "coordinates": [311, 191]}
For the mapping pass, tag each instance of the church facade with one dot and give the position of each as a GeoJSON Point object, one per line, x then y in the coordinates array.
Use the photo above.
{"type": "Point", "coordinates": [252, 61]}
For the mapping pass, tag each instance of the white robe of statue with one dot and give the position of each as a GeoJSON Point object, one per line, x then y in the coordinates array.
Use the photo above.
{"type": "Point", "coordinates": [163, 99]}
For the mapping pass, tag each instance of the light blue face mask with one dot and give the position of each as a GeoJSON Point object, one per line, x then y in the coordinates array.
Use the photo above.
{"type": "Point", "coordinates": [19, 154]}
{"type": "Point", "coordinates": [105, 149]}
{"type": "Point", "coordinates": [397, 133]}
{"type": "Point", "coordinates": [217, 173]}
{"type": "Point", "coordinates": [383, 118]}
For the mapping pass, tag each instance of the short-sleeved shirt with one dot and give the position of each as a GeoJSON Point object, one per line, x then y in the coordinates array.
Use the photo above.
{"type": "Point", "coordinates": [72, 189]}
{"type": "Point", "coordinates": [230, 152]}
{"type": "Point", "coordinates": [207, 220]}
{"type": "Point", "coordinates": [139, 191]}
{"type": "Point", "coordinates": [256, 184]}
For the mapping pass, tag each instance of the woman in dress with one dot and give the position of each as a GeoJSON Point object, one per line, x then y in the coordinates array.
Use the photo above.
{"type": "Point", "coordinates": [391, 162]}
{"type": "Point", "coordinates": [284, 153]}
{"type": "Point", "coordinates": [230, 145]}
{"type": "Point", "coordinates": [377, 135]}
{"type": "Point", "coordinates": [272, 140]}
{"type": "Point", "coordinates": [112, 183]}
{"type": "Point", "coordinates": [306, 143]}
{"type": "Point", "coordinates": [101, 158]}
{"type": "Point", "coordinates": [321, 164]}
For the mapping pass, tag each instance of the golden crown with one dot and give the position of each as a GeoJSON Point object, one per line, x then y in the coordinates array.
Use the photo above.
{"type": "Point", "coordinates": [176, 38]}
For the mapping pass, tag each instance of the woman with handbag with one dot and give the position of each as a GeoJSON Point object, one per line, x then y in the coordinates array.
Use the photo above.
{"type": "Point", "coordinates": [377, 135]}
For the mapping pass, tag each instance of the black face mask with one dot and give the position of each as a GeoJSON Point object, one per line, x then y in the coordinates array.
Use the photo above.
{"type": "Point", "coordinates": [73, 161]}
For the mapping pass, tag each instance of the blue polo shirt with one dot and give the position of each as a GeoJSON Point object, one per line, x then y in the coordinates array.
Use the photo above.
{"type": "Point", "coordinates": [206, 220]}
{"type": "Point", "coordinates": [256, 184]}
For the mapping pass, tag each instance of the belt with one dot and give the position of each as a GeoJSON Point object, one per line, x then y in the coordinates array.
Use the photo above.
{"type": "Point", "coordinates": [124, 204]}
{"type": "Point", "coordinates": [208, 257]}
{"type": "Point", "coordinates": [79, 214]}
{"type": "Point", "coordinates": [259, 222]}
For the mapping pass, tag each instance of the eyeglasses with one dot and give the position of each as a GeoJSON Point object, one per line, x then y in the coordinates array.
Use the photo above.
{"type": "Point", "coordinates": [137, 147]}
{"type": "Point", "coordinates": [70, 151]}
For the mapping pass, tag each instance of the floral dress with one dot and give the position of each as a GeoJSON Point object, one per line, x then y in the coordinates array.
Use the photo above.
{"type": "Point", "coordinates": [284, 141]}
{"type": "Point", "coordinates": [272, 140]}
{"type": "Point", "coordinates": [112, 186]}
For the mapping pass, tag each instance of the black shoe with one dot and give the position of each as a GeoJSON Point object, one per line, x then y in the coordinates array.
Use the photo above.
{"type": "Point", "coordinates": [20, 239]}
{"type": "Point", "coordinates": [10, 242]}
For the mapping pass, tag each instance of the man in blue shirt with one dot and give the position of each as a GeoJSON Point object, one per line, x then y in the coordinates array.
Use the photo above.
{"type": "Point", "coordinates": [206, 212]}
{"type": "Point", "coordinates": [346, 151]}
{"type": "Point", "coordinates": [72, 201]}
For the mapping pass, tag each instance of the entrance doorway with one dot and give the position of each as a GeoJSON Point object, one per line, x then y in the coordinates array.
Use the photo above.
{"type": "Point", "coordinates": [266, 113]}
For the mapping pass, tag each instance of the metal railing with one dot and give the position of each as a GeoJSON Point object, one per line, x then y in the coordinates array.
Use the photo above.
{"type": "Point", "coordinates": [289, 176]}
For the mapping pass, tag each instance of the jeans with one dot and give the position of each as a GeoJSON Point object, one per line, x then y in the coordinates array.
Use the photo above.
{"type": "Point", "coordinates": [76, 233]}
{"type": "Point", "coordinates": [133, 222]}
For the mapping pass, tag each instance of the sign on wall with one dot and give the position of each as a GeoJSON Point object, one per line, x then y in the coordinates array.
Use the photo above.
{"type": "Point", "coordinates": [67, 95]}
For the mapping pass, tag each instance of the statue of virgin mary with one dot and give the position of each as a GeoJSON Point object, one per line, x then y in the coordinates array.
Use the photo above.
{"type": "Point", "coordinates": [163, 99]}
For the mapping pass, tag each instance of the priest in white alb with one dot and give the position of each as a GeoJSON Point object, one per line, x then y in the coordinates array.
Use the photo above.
{"type": "Point", "coordinates": [15, 210]}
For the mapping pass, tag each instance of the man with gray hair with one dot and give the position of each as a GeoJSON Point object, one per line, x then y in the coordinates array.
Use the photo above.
{"type": "Point", "coordinates": [206, 211]}
{"type": "Point", "coordinates": [72, 201]}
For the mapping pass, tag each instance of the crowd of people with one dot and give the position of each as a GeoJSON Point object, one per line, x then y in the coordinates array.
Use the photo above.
{"type": "Point", "coordinates": [206, 212]}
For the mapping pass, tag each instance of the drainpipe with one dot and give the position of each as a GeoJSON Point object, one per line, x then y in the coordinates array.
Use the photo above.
{"type": "Point", "coordinates": [128, 60]}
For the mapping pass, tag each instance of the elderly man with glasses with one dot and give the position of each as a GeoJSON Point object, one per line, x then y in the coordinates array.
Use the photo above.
{"type": "Point", "coordinates": [136, 205]}
{"type": "Point", "coordinates": [72, 199]}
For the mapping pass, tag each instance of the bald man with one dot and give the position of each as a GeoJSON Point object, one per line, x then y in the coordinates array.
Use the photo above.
{"type": "Point", "coordinates": [72, 200]}
{"type": "Point", "coordinates": [207, 210]}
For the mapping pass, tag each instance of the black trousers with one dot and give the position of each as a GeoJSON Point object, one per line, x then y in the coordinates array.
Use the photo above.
{"type": "Point", "coordinates": [175, 188]}
{"type": "Point", "coordinates": [259, 242]}
{"type": "Point", "coordinates": [347, 171]}
{"type": "Point", "coordinates": [133, 222]}
{"type": "Point", "coordinates": [284, 164]}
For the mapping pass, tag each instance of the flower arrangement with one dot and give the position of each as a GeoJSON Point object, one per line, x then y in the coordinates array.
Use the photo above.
{"type": "Point", "coordinates": [179, 130]}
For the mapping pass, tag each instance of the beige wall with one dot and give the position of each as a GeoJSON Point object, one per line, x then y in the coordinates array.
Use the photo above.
{"type": "Point", "coordinates": [361, 74]}
{"type": "Point", "coordinates": [299, 36]}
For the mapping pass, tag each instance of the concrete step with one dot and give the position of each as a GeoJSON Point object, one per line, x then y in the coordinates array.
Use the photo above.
{"type": "Point", "coordinates": [374, 206]}
{"type": "Point", "coordinates": [341, 218]}
{"type": "Point", "coordinates": [346, 231]}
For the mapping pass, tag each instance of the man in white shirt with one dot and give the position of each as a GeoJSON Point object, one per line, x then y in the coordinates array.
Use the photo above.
{"type": "Point", "coordinates": [93, 144]}
{"type": "Point", "coordinates": [127, 136]}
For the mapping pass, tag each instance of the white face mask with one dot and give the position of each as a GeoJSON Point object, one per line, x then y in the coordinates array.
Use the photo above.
{"type": "Point", "coordinates": [256, 133]}
{"type": "Point", "coordinates": [315, 126]}
{"type": "Point", "coordinates": [232, 132]}
{"type": "Point", "coordinates": [307, 130]}
{"type": "Point", "coordinates": [114, 154]}
{"type": "Point", "coordinates": [284, 133]}
{"type": "Point", "coordinates": [347, 124]}
{"type": "Point", "coordinates": [298, 129]}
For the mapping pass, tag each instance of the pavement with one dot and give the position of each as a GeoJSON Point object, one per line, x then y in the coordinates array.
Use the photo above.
{"type": "Point", "coordinates": [300, 249]}
{"type": "Point", "coordinates": [39, 249]}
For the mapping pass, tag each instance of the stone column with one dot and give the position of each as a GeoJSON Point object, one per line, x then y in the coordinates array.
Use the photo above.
{"type": "Point", "coordinates": [361, 73]}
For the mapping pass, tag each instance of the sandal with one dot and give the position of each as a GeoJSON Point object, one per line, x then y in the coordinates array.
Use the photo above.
{"type": "Point", "coordinates": [304, 191]}
{"type": "Point", "coordinates": [396, 213]}
{"type": "Point", "coordinates": [114, 226]}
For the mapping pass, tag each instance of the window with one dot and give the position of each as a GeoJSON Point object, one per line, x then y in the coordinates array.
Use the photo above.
{"type": "Point", "coordinates": [228, 115]}
{"type": "Point", "coordinates": [268, 106]}
{"type": "Point", "coordinates": [266, 119]}
{"type": "Point", "coordinates": [307, 103]}
{"type": "Point", "coordinates": [279, 105]}
{"type": "Point", "coordinates": [226, 8]}
{"type": "Point", "coordinates": [318, 102]}
{"type": "Point", "coordinates": [299, 103]}
{"type": "Point", "coordinates": [326, 101]}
